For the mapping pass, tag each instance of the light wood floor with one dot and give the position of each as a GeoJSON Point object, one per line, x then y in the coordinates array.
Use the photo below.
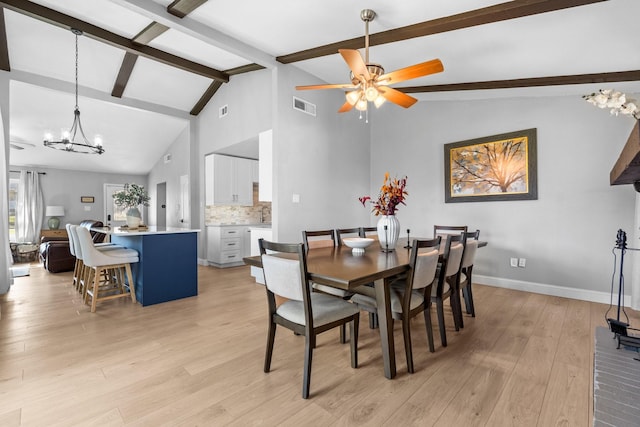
{"type": "Point", "coordinates": [526, 359]}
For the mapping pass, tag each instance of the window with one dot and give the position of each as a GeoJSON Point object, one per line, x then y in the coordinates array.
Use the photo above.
{"type": "Point", "coordinates": [13, 201]}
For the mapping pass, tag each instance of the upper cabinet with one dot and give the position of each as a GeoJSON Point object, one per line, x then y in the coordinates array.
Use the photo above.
{"type": "Point", "coordinates": [228, 180]}
{"type": "Point", "coordinates": [266, 165]}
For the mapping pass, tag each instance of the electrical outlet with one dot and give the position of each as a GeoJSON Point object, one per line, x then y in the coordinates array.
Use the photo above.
{"type": "Point", "coordinates": [522, 262]}
{"type": "Point", "coordinates": [514, 262]}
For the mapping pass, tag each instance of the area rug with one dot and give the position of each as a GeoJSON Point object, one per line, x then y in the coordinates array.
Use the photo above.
{"type": "Point", "coordinates": [20, 271]}
{"type": "Point", "coordinates": [616, 383]}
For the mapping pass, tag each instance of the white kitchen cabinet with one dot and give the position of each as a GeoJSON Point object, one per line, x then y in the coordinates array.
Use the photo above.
{"type": "Point", "coordinates": [226, 245]}
{"type": "Point", "coordinates": [229, 180]}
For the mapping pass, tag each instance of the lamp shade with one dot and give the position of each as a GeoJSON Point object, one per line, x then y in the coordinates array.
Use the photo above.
{"type": "Point", "coordinates": [54, 211]}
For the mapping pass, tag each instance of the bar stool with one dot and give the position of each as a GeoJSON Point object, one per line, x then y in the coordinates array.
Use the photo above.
{"type": "Point", "coordinates": [97, 262]}
{"type": "Point", "coordinates": [76, 250]}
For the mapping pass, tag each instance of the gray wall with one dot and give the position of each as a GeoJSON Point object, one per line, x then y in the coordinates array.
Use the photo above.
{"type": "Point", "coordinates": [566, 235]}
{"type": "Point", "coordinates": [323, 159]}
{"type": "Point", "coordinates": [170, 173]}
{"type": "Point", "coordinates": [64, 188]}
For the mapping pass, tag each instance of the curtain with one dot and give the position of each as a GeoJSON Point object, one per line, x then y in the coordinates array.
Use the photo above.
{"type": "Point", "coordinates": [29, 207]}
{"type": "Point", "coordinates": [5, 258]}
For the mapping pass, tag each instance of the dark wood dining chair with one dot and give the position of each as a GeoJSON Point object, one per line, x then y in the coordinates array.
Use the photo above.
{"type": "Point", "coordinates": [446, 230]}
{"type": "Point", "coordinates": [346, 232]}
{"type": "Point", "coordinates": [323, 239]}
{"type": "Point", "coordinates": [446, 285]}
{"type": "Point", "coordinates": [304, 312]}
{"type": "Point", "coordinates": [371, 232]}
{"type": "Point", "coordinates": [466, 270]}
{"type": "Point", "coordinates": [409, 296]}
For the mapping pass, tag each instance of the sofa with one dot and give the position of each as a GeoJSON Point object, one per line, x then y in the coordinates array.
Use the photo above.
{"type": "Point", "coordinates": [55, 253]}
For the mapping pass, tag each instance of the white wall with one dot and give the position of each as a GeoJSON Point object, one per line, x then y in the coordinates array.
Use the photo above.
{"type": "Point", "coordinates": [180, 152]}
{"type": "Point", "coordinates": [566, 235]}
{"type": "Point", "coordinates": [64, 188]}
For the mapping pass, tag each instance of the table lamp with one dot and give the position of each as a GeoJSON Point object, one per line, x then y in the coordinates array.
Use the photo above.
{"type": "Point", "coordinates": [53, 212]}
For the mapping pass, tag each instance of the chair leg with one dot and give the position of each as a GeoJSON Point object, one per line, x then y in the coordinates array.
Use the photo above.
{"type": "Point", "coordinates": [354, 325]}
{"type": "Point", "coordinates": [132, 287]}
{"type": "Point", "coordinates": [443, 331]}
{"type": "Point", "coordinates": [96, 284]}
{"type": "Point", "coordinates": [343, 333]}
{"type": "Point", "coordinates": [406, 331]}
{"type": "Point", "coordinates": [429, 325]}
{"type": "Point", "coordinates": [373, 321]}
{"type": "Point", "coordinates": [468, 300]}
{"type": "Point", "coordinates": [271, 335]}
{"type": "Point", "coordinates": [309, 344]}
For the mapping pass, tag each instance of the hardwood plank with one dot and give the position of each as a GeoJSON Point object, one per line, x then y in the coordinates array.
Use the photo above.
{"type": "Point", "coordinates": [525, 359]}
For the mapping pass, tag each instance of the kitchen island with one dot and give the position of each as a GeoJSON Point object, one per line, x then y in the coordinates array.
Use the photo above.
{"type": "Point", "coordinates": [168, 266]}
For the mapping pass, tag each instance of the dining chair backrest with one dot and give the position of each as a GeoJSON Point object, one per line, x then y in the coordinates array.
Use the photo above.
{"type": "Point", "coordinates": [285, 277]}
{"type": "Point", "coordinates": [371, 232]}
{"type": "Point", "coordinates": [472, 235]}
{"type": "Point", "coordinates": [76, 244]}
{"type": "Point", "coordinates": [469, 256]}
{"type": "Point", "coordinates": [71, 245]}
{"type": "Point", "coordinates": [424, 262]}
{"type": "Point", "coordinates": [453, 254]}
{"type": "Point", "coordinates": [346, 232]}
{"type": "Point", "coordinates": [318, 239]}
{"type": "Point", "coordinates": [448, 230]}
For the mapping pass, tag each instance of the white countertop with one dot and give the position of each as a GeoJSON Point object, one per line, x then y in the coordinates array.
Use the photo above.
{"type": "Point", "coordinates": [228, 224]}
{"type": "Point", "coordinates": [152, 229]}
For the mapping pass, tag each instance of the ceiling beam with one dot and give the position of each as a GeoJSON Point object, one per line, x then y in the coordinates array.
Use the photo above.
{"type": "Point", "coordinates": [182, 8]}
{"type": "Point", "coordinates": [51, 16]}
{"type": "Point", "coordinates": [486, 15]}
{"type": "Point", "coordinates": [213, 88]}
{"type": "Point", "coordinates": [205, 98]}
{"type": "Point", "coordinates": [87, 92]}
{"type": "Point", "coordinates": [149, 33]}
{"type": "Point", "coordinates": [202, 32]}
{"type": "Point", "coordinates": [577, 79]}
{"type": "Point", "coordinates": [4, 47]}
{"type": "Point", "coordinates": [124, 74]}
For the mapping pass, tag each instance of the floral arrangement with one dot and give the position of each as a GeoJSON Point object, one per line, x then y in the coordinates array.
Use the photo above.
{"type": "Point", "coordinates": [617, 102]}
{"type": "Point", "coordinates": [392, 194]}
{"type": "Point", "coordinates": [132, 196]}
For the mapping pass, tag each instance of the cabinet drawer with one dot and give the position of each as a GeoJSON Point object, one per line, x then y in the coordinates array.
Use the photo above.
{"type": "Point", "coordinates": [230, 244]}
{"type": "Point", "coordinates": [230, 256]}
{"type": "Point", "coordinates": [227, 232]}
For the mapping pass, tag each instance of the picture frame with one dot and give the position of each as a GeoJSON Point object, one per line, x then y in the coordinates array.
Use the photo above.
{"type": "Point", "coordinates": [492, 168]}
{"type": "Point", "coordinates": [87, 199]}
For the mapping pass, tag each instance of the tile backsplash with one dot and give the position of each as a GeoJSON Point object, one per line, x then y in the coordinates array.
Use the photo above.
{"type": "Point", "coordinates": [258, 213]}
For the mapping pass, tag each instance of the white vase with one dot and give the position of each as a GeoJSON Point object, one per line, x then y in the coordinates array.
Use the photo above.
{"type": "Point", "coordinates": [388, 238]}
{"type": "Point", "coordinates": [133, 218]}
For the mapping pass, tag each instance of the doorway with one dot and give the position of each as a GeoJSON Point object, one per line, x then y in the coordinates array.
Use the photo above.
{"type": "Point", "coordinates": [161, 204]}
{"type": "Point", "coordinates": [114, 216]}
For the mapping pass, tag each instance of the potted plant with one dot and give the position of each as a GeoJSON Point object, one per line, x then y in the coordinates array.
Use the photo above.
{"type": "Point", "coordinates": [130, 198]}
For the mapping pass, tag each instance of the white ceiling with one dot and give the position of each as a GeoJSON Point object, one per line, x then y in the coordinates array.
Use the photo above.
{"type": "Point", "coordinates": [595, 38]}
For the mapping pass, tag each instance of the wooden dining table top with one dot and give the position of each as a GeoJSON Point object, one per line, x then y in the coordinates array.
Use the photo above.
{"type": "Point", "coordinates": [340, 268]}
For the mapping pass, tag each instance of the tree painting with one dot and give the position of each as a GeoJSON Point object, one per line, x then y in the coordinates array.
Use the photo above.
{"type": "Point", "coordinates": [493, 167]}
{"type": "Point", "coordinates": [501, 167]}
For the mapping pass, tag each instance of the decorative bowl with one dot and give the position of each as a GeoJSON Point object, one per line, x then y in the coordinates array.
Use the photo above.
{"type": "Point", "coordinates": [357, 244]}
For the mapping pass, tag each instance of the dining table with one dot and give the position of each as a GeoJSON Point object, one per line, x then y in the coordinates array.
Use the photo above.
{"type": "Point", "coordinates": [341, 268]}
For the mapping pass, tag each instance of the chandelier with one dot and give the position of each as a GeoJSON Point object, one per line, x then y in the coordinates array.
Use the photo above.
{"type": "Point", "coordinates": [68, 138]}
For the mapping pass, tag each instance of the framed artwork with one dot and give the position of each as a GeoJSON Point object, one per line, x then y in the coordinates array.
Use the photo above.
{"type": "Point", "coordinates": [492, 168]}
{"type": "Point", "coordinates": [87, 199]}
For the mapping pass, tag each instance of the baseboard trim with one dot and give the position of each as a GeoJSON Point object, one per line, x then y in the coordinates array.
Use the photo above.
{"type": "Point", "coordinates": [554, 290]}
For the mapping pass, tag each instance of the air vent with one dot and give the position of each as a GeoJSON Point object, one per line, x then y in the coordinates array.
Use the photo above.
{"type": "Point", "coordinates": [224, 110]}
{"type": "Point", "coordinates": [304, 106]}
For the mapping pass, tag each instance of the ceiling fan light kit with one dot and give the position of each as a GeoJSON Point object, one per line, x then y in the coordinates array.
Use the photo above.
{"type": "Point", "coordinates": [67, 140]}
{"type": "Point", "coordinates": [369, 83]}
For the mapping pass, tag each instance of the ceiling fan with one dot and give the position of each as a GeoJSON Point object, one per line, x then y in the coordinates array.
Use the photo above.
{"type": "Point", "coordinates": [369, 83]}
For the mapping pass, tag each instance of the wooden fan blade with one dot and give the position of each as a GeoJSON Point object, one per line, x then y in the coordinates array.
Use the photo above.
{"type": "Point", "coordinates": [412, 72]}
{"type": "Point", "coordinates": [346, 107]}
{"type": "Point", "coordinates": [397, 97]}
{"type": "Point", "coordinates": [334, 86]}
{"type": "Point", "coordinates": [355, 62]}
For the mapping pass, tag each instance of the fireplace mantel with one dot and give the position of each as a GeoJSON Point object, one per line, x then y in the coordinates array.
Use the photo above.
{"type": "Point", "coordinates": [627, 167]}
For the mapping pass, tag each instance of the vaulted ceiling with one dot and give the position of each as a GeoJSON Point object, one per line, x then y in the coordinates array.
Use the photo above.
{"type": "Point", "coordinates": [147, 67]}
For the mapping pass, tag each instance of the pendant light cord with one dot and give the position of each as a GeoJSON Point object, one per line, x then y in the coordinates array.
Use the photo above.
{"type": "Point", "coordinates": [77, 72]}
